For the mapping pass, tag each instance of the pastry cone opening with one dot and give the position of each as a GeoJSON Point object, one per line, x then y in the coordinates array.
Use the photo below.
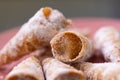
{"type": "Point", "coordinates": [70, 76]}
{"type": "Point", "coordinates": [29, 69]}
{"type": "Point", "coordinates": [46, 11]}
{"type": "Point", "coordinates": [66, 46]}
{"type": "Point", "coordinates": [22, 77]}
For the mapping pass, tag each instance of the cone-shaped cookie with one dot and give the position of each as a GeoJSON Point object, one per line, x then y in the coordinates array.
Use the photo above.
{"type": "Point", "coordinates": [101, 71]}
{"type": "Point", "coordinates": [29, 69]}
{"type": "Point", "coordinates": [107, 39]}
{"type": "Point", "coordinates": [71, 47]}
{"type": "Point", "coordinates": [106, 34]}
{"type": "Point", "coordinates": [111, 51]}
{"type": "Point", "coordinates": [34, 34]}
{"type": "Point", "coordinates": [56, 70]}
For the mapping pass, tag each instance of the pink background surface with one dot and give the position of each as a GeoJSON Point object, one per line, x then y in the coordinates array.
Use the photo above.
{"type": "Point", "coordinates": [90, 23]}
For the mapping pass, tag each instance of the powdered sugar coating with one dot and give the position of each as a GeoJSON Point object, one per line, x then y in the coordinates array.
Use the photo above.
{"type": "Point", "coordinates": [34, 34]}
{"type": "Point", "coordinates": [27, 68]}
{"type": "Point", "coordinates": [105, 34]}
{"type": "Point", "coordinates": [58, 47]}
{"type": "Point", "coordinates": [54, 69]}
{"type": "Point", "coordinates": [102, 71]}
{"type": "Point", "coordinates": [107, 40]}
{"type": "Point", "coordinates": [112, 51]}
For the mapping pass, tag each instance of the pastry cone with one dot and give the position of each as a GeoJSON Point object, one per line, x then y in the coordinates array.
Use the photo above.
{"type": "Point", "coordinates": [111, 51]}
{"type": "Point", "coordinates": [56, 70]}
{"type": "Point", "coordinates": [101, 71]}
{"type": "Point", "coordinates": [70, 47]}
{"type": "Point", "coordinates": [107, 40]}
{"type": "Point", "coordinates": [105, 34]}
{"type": "Point", "coordinates": [34, 34]}
{"type": "Point", "coordinates": [29, 69]}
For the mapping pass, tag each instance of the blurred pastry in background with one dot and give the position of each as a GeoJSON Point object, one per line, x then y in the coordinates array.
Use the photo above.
{"type": "Point", "coordinates": [101, 71]}
{"type": "Point", "coordinates": [107, 40]}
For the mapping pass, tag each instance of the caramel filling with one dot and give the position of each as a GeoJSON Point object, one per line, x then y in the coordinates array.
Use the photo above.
{"type": "Point", "coordinates": [66, 46]}
{"type": "Point", "coordinates": [47, 12]}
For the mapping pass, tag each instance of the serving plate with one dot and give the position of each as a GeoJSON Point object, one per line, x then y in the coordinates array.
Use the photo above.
{"type": "Point", "coordinates": [92, 24]}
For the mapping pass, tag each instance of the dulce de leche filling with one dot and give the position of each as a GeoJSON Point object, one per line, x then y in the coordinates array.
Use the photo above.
{"type": "Point", "coordinates": [46, 12]}
{"type": "Point", "coordinates": [66, 46]}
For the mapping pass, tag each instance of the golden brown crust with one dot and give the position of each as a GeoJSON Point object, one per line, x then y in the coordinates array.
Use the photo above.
{"type": "Point", "coordinates": [70, 47]}
{"type": "Point", "coordinates": [66, 45]}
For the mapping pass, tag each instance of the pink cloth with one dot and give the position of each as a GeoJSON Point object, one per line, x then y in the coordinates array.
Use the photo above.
{"type": "Point", "coordinates": [91, 23]}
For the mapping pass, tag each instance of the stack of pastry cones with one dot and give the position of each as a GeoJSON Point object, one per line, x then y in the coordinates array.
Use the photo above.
{"type": "Point", "coordinates": [61, 53]}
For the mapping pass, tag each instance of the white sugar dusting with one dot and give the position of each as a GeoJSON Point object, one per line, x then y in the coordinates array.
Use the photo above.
{"type": "Point", "coordinates": [42, 28]}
